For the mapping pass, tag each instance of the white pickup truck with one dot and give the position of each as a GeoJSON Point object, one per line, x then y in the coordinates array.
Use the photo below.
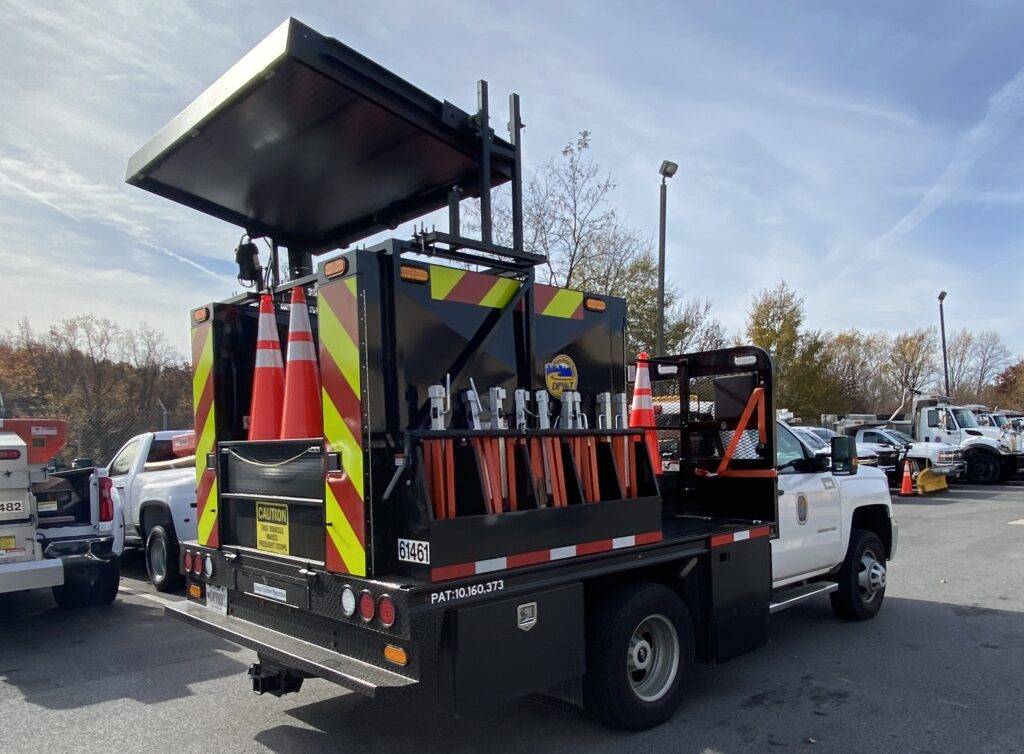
{"type": "Point", "coordinates": [156, 487]}
{"type": "Point", "coordinates": [836, 528]}
{"type": "Point", "coordinates": [941, 457]}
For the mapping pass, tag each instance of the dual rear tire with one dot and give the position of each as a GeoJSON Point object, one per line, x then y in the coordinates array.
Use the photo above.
{"type": "Point", "coordinates": [639, 646]}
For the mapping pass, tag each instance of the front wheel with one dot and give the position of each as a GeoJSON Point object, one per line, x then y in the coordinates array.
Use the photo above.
{"type": "Point", "coordinates": [639, 643]}
{"type": "Point", "coordinates": [862, 578]}
{"type": "Point", "coordinates": [983, 468]}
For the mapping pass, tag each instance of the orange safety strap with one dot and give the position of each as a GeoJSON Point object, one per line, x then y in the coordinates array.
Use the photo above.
{"type": "Point", "coordinates": [595, 482]}
{"type": "Point", "coordinates": [537, 468]}
{"type": "Point", "coordinates": [756, 401]}
{"type": "Point", "coordinates": [557, 471]}
{"type": "Point", "coordinates": [430, 449]}
{"type": "Point", "coordinates": [510, 472]}
{"type": "Point", "coordinates": [449, 470]}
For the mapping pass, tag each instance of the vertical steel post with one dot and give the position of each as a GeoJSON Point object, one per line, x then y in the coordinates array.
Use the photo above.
{"type": "Point", "coordinates": [659, 347]}
{"type": "Point", "coordinates": [454, 223]}
{"type": "Point", "coordinates": [483, 124]}
{"type": "Point", "coordinates": [942, 327]}
{"type": "Point", "coordinates": [515, 128]}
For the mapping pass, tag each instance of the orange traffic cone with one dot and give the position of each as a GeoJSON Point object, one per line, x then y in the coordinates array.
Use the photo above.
{"type": "Point", "coordinates": [303, 413]}
{"type": "Point", "coordinates": [268, 377]}
{"type": "Point", "coordinates": [907, 487]}
{"type": "Point", "coordinates": [641, 413]}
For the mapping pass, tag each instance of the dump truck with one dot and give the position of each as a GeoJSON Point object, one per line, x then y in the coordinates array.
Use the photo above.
{"type": "Point", "coordinates": [477, 520]}
{"type": "Point", "coordinates": [59, 530]}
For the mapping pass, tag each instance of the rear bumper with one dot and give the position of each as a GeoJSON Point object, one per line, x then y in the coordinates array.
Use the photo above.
{"type": "Point", "coordinates": [31, 574]}
{"type": "Point", "coordinates": [296, 654]}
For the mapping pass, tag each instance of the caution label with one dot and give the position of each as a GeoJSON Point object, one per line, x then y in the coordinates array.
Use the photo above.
{"type": "Point", "coordinates": [272, 528]}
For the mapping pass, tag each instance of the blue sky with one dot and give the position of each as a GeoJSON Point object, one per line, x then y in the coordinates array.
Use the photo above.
{"type": "Point", "coordinates": [869, 153]}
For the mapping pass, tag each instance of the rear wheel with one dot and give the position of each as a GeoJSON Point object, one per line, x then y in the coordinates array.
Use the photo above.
{"type": "Point", "coordinates": [162, 560]}
{"type": "Point", "coordinates": [983, 468]}
{"type": "Point", "coordinates": [639, 643]}
{"type": "Point", "coordinates": [862, 578]}
{"type": "Point", "coordinates": [108, 581]}
{"type": "Point", "coordinates": [72, 594]}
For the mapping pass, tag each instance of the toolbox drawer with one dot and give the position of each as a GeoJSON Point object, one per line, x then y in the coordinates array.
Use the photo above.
{"type": "Point", "coordinates": [512, 647]}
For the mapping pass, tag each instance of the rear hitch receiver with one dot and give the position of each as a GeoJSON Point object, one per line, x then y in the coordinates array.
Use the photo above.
{"type": "Point", "coordinates": [269, 679]}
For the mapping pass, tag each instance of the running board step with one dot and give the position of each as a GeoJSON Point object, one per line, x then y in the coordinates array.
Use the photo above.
{"type": "Point", "coordinates": [795, 595]}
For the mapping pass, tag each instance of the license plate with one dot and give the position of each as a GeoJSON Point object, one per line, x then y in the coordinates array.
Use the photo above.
{"type": "Point", "coordinates": [11, 506]}
{"type": "Point", "coordinates": [8, 543]}
{"type": "Point", "coordinates": [217, 598]}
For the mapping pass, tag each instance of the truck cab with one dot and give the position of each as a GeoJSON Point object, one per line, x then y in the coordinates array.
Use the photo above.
{"type": "Point", "coordinates": [819, 506]}
{"type": "Point", "coordinates": [153, 478]}
{"type": "Point", "coordinates": [989, 455]}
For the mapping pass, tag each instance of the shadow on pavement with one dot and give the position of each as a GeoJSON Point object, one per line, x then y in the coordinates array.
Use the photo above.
{"type": "Point", "coordinates": [920, 677]}
{"type": "Point", "coordinates": [66, 659]}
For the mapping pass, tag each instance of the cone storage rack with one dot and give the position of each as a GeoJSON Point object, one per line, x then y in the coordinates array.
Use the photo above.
{"type": "Point", "coordinates": [490, 496]}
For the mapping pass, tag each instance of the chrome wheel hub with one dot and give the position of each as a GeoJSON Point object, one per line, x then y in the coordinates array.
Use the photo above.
{"type": "Point", "coordinates": [157, 559]}
{"type": "Point", "coordinates": [652, 659]}
{"type": "Point", "coordinates": [871, 577]}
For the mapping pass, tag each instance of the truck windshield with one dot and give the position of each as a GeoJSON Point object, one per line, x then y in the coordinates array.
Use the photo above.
{"type": "Point", "coordinates": [899, 437]}
{"type": "Point", "coordinates": [965, 418]}
{"type": "Point", "coordinates": [1000, 420]}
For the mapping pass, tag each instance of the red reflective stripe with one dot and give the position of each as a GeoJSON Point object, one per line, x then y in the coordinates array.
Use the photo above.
{"type": "Point", "coordinates": [529, 558]}
{"type": "Point", "coordinates": [589, 548]}
{"type": "Point", "coordinates": [649, 538]}
{"type": "Point", "coordinates": [300, 335]}
{"type": "Point", "coordinates": [461, 570]}
{"type": "Point", "coordinates": [760, 531]}
{"type": "Point", "coordinates": [721, 539]}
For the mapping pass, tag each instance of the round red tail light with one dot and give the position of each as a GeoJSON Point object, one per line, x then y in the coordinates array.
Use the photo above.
{"type": "Point", "coordinates": [188, 561]}
{"type": "Point", "coordinates": [197, 564]}
{"type": "Point", "coordinates": [366, 606]}
{"type": "Point", "coordinates": [386, 611]}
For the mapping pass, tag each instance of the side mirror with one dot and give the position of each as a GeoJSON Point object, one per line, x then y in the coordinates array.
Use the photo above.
{"type": "Point", "coordinates": [844, 455]}
{"type": "Point", "coordinates": [820, 463]}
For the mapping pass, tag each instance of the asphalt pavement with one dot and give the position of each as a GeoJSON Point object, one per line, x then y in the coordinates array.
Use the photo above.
{"type": "Point", "coordinates": [941, 669]}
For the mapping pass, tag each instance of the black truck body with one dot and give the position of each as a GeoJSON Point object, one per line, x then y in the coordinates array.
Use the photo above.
{"type": "Point", "coordinates": [384, 555]}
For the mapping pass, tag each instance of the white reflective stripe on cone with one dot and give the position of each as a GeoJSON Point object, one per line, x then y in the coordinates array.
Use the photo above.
{"type": "Point", "coordinates": [301, 350]}
{"type": "Point", "coordinates": [268, 357]}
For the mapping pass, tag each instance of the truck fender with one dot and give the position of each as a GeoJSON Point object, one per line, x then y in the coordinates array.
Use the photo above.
{"type": "Point", "coordinates": [153, 512]}
{"type": "Point", "coordinates": [875, 518]}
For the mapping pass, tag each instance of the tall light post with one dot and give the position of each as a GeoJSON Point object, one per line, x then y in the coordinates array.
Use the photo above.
{"type": "Point", "coordinates": [942, 328]}
{"type": "Point", "coordinates": [667, 170]}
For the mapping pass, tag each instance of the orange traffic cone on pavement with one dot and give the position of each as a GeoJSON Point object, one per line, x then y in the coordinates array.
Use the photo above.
{"type": "Point", "coordinates": [641, 413]}
{"type": "Point", "coordinates": [303, 413]}
{"type": "Point", "coordinates": [907, 486]}
{"type": "Point", "coordinates": [268, 377]}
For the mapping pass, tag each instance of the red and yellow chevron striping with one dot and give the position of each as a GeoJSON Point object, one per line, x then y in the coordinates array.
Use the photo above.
{"type": "Point", "coordinates": [345, 516]}
{"type": "Point", "coordinates": [466, 287]}
{"type": "Point", "coordinates": [206, 434]}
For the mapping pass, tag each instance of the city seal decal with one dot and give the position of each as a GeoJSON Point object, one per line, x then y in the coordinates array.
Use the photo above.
{"type": "Point", "coordinates": [560, 375]}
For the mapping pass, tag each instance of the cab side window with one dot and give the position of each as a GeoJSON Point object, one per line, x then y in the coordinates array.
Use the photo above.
{"type": "Point", "coordinates": [124, 460]}
{"type": "Point", "coordinates": [787, 447]}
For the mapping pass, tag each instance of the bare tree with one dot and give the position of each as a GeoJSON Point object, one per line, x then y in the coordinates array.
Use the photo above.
{"type": "Point", "coordinates": [911, 363]}
{"type": "Point", "coordinates": [989, 356]}
{"type": "Point", "coordinates": [960, 358]}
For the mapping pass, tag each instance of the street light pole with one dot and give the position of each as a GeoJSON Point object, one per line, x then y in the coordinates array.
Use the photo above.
{"type": "Point", "coordinates": [667, 170]}
{"type": "Point", "coordinates": [942, 328]}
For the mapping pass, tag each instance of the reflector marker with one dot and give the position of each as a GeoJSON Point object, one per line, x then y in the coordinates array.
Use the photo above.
{"type": "Point", "coordinates": [205, 429]}
{"type": "Point", "coordinates": [727, 539]}
{"type": "Point", "coordinates": [523, 559]}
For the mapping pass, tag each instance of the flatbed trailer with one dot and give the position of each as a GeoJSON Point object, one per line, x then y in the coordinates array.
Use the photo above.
{"type": "Point", "coordinates": [432, 544]}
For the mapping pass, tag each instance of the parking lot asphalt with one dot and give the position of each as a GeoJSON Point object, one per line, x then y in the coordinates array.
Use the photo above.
{"type": "Point", "coordinates": [941, 669]}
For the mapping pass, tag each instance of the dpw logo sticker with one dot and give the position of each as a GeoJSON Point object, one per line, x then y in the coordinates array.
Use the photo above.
{"type": "Point", "coordinates": [828, 483]}
{"type": "Point", "coordinates": [560, 375]}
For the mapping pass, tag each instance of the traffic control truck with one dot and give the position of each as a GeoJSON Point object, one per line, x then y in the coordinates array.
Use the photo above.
{"type": "Point", "coordinates": [475, 521]}
{"type": "Point", "coordinates": [62, 530]}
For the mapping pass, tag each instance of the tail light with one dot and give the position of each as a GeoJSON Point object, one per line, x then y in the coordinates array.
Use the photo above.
{"type": "Point", "coordinates": [10, 455]}
{"type": "Point", "coordinates": [106, 484]}
{"type": "Point", "coordinates": [208, 567]}
{"type": "Point", "coordinates": [187, 561]}
{"type": "Point", "coordinates": [367, 607]}
{"type": "Point", "coordinates": [348, 602]}
{"type": "Point", "coordinates": [197, 564]}
{"type": "Point", "coordinates": [386, 611]}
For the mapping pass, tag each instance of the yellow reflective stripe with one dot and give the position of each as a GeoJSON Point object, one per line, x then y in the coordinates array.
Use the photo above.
{"type": "Point", "coordinates": [443, 280]}
{"type": "Point", "coordinates": [564, 303]}
{"type": "Point", "coordinates": [202, 370]}
{"type": "Point", "coordinates": [342, 441]}
{"type": "Point", "coordinates": [344, 538]}
{"type": "Point", "coordinates": [209, 517]}
{"type": "Point", "coordinates": [204, 445]}
{"type": "Point", "coordinates": [501, 293]}
{"type": "Point", "coordinates": [339, 345]}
